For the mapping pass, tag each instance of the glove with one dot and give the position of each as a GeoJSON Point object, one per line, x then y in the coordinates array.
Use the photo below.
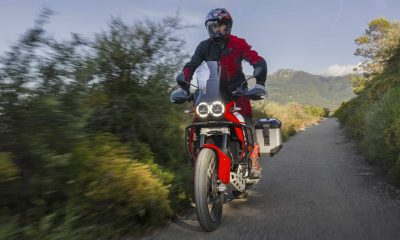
{"type": "Point", "coordinates": [260, 72]}
{"type": "Point", "coordinates": [180, 79]}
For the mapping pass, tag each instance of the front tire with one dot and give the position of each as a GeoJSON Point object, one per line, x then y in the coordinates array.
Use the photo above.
{"type": "Point", "coordinates": [209, 201]}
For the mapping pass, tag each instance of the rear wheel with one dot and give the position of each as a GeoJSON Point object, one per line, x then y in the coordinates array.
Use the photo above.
{"type": "Point", "coordinates": [209, 201]}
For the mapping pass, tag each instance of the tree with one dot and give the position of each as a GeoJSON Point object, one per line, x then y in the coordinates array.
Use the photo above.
{"type": "Point", "coordinates": [136, 67]}
{"type": "Point", "coordinates": [81, 122]}
{"type": "Point", "coordinates": [377, 45]}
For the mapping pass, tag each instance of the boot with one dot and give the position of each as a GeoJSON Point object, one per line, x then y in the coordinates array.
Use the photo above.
{"type": "Point", "coordinates": [255, 164]}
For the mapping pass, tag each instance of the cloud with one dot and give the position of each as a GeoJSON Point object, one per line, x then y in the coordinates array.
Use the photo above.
{"type": "Point", "coordinates": [341, 70]}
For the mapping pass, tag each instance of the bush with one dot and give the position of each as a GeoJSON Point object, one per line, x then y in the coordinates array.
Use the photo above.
{"type": "Point", "coordinates": [292, 115]}
{"type": "Point", "coordinates": [90, 146]}
{"type": "Point", "coordinates": [8, 170]}
{"type": "Point", "coordinates": [317, 111]}
{"type": "Point", "coordinates": [373, 117]}
{"type": "Point", "coordinates": [381, 141]}
{"type": "Point", "coordinates": [352, 116]}
{"type": "Point", "coordinates": [376, 126]}
{"type": "Point", "coordinates": [114, 186]}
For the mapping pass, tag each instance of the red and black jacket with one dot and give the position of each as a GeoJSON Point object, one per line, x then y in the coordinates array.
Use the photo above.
{"type": "Point", "coordinates": [230, 57]}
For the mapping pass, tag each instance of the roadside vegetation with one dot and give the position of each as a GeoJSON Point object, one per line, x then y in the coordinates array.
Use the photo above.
{"type": "Point", "coordinates": [373, 117]}
{"type": "Point", "coordinates": [90, 147]}
{"type": "Point", "coordinates": [294, 116]}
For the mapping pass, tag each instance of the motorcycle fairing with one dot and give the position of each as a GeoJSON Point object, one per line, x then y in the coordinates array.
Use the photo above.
{"type": "Point", "coordinates": [224, 163]}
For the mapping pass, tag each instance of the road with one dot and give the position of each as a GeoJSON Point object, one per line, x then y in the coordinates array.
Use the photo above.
{"type": "Point", "coordinates": [317, 187]}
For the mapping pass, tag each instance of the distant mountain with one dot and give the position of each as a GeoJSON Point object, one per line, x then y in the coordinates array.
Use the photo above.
{"type": "Point", "coordinates": [287, 85]}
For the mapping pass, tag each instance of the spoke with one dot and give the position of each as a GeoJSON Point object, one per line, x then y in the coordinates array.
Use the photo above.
{"type": "Point", "coordinates": [212, 194]}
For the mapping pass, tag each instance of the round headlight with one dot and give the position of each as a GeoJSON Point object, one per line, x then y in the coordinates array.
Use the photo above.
{"type": "Point", "coordinates": [217, 109]}
{"type": "Point", "coordinates": [202, 110]}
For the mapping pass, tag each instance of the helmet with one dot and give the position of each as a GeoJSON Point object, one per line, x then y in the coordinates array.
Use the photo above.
{"type": "Point", "coordinates": [217, 17]}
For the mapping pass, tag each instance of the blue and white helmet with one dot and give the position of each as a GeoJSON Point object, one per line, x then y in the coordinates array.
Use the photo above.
{"type": "Point", "coordinates": [217, 17]}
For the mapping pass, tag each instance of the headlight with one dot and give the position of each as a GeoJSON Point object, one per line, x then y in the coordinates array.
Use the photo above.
{"type": "Point", "coordinates": [202, 109]}
{"type": "Point", "coordinates": [217, 109]}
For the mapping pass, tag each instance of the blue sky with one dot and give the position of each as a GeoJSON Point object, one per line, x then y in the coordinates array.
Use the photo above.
{"type": "Point", "coordinates": [311, 35]}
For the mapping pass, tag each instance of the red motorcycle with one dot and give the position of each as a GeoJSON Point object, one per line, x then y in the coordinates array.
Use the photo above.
{"type": "Point", "coordinates": [219, 144]}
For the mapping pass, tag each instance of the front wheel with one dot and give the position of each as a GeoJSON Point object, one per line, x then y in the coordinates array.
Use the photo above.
{"type": "Point", "coordinates": [209, 201]}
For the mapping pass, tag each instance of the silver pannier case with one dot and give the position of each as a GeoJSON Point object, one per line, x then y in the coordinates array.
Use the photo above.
{"type": "Point", "coordinates": [269, 136]}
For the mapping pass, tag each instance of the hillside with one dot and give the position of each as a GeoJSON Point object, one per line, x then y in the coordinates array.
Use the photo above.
{"type": "Point", "coordinates": [288, 85]}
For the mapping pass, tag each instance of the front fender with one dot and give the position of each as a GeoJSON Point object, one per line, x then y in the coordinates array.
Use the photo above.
{"type": "Point", "coordinates": [224, 163]}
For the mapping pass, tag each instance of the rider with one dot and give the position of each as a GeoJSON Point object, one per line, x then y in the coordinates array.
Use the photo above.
{"type": "Point", "coordinates": [229, 51]}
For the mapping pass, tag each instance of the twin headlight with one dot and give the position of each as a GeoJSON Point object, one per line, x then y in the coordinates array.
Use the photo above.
{"type": "Point", "coordinates": [216, 109]}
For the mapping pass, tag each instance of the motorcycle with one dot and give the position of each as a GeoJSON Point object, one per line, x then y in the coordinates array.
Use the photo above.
{"type": "Point", "coordinates": [219, 144]}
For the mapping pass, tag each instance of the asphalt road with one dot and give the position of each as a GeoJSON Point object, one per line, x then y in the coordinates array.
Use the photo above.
{"type": "Point", "coordinates": [317, 187]}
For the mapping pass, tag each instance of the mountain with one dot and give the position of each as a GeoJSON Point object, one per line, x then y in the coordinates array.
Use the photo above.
{"type": "Point", "coordinates": [287, 85]}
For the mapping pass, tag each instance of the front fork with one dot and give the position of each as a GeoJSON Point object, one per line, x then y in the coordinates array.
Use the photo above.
{"type": "Point", "coordinates": [224, 161]}
{"type": "Point", "coordinates": [224, 143]}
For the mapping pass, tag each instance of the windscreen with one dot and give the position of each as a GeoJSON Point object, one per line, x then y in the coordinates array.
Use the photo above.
{"type": "Point", "coordinates": [208, 81]}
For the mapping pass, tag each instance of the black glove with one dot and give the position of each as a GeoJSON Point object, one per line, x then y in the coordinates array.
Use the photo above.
{"type": "Point", "coordinates": [180, 79]}
{"type": "Point", "coordinates": [260, 72]}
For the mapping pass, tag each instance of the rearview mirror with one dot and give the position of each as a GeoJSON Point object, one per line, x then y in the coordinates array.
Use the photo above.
{"type": "Point", "coordinates": [179, 96]}
{"type": "Point", "coordinates": [256, 94]}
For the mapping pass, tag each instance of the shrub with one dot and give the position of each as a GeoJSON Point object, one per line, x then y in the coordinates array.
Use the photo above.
{"type": "Point", "coordinates": [8, 170]}
{"type": "Point", "coordinates": [376, 127]}
{"type": "Point", "coordinates": [317, 111]}
{"type": "Point", "coordinates": [381, 140]}
{"type": "Point", "coordinates": [111, 185]}
{"type": "Point", "coordinates": [90, 147]}
{"type": "Point", "coordinates": [292, 115]}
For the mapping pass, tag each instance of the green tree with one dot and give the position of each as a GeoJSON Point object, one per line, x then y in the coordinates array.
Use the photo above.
{"type": "Point", "coordinates": [81, 123]}
{"type": "Point", "coordinates": [135, 69]}
{"type": "Point", "coordinates": [372, 117]}
{"type": "Point", "coordinates": [377, 45]}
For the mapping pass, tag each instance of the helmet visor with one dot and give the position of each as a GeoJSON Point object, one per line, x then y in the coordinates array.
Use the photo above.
{"type": "Point", "coordinates": [216, 28]}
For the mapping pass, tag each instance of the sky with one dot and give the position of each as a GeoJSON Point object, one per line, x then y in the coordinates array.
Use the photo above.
{"type": "Point", "coordinates": [315, 36]}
